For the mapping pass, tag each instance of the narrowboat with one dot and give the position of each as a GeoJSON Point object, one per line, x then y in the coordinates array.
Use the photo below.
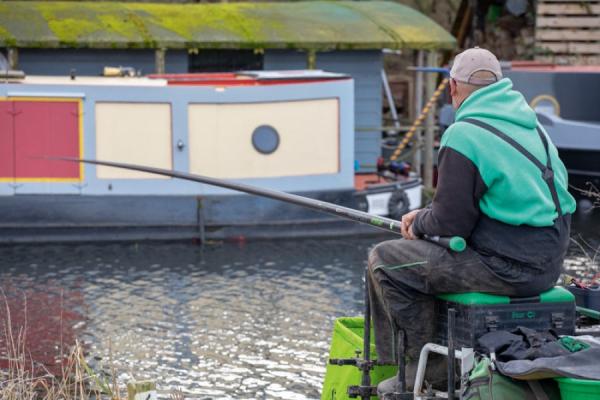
{"type": "Point", "coordinates": [291, 131]}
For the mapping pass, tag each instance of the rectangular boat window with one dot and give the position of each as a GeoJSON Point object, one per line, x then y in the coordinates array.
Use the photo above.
{"type": "Point", "coordinates": [225, 61]}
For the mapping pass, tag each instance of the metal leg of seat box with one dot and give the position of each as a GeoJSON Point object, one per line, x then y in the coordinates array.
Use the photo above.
{"type": "Point", "coordinates": [450, 371]}
{"type": "Point", "coordinates": [465, 355]}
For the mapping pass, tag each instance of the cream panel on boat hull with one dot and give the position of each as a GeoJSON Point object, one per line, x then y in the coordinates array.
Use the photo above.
{"type": "Point", "coordinates": [135, 133]}
{"type": "Point", "coordinates": [221, 139]}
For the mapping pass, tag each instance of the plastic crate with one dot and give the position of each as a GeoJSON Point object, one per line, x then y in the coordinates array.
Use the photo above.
{"type": "Point", "coordinates": [478, 314]}
{"type": "Point", "coordinates": [578, 389]}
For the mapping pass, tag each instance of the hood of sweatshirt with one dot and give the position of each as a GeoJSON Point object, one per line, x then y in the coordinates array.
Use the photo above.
{"type": "Point", "coordinates": [498, 101]}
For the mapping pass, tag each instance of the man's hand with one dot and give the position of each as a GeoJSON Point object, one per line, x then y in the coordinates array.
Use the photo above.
{"type": "Point", "coordinates": [406, 225]}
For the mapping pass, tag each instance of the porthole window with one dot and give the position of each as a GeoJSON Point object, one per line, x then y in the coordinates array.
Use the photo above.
{"type": "Point", "coordinates": [265, 139]}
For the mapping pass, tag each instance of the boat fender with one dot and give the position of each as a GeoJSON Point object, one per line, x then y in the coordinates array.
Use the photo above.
{"type": "Point", "coordinates": [398, 205]}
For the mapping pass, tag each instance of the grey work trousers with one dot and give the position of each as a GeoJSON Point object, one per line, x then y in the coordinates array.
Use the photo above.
{"type": "Point", "coordinates": [404, 276]}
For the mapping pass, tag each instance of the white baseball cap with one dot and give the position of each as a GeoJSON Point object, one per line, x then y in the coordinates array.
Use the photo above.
{"type": "Point", "coordinates": [474, 60]}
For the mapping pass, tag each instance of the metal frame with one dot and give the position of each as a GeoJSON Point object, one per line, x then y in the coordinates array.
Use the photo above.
{"type": "Point", "coordinates": [466, 356]}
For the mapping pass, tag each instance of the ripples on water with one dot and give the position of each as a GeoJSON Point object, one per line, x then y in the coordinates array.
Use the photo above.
{"type": "Point", "coordinates": [227, 321]}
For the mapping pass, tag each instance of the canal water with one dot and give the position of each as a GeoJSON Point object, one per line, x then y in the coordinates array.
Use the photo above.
{"type": "Point", "coordinates": [223, 321]}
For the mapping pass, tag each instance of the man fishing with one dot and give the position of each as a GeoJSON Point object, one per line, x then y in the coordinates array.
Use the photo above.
{"type": "Point", "coordinates": [501, 186]}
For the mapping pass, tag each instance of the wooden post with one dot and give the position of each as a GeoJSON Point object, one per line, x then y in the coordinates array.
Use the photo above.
{"type": "Point", "coordinates": [432, 61]}
{"type": "Point", "coordinates": [13, 58]}
{"type": "Point", "coordinates": [159, 60]}
{"type": "Point", "coordinates": [311, 59]}
{"type": "Point", "coordinates": [417, 158]}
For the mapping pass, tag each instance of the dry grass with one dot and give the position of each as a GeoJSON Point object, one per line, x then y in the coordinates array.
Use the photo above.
{"type": "Point", "coordinates": [176, 394]}
{"type": "Point", "coordinates": [592, 192]}
{"type": "Point", "coordinates": [24, 379]}
{"type": "Point", "coordinates": [590, 252]}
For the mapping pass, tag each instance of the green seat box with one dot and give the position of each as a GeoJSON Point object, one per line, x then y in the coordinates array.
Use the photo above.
{"type": "Point", "coordinates": [346, 340]}
{"type": "Point", "coordinates": [480, 313]}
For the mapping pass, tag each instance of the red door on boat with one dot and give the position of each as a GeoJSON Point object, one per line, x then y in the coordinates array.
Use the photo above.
{"type": "Point", "coordinates": [32, 130]}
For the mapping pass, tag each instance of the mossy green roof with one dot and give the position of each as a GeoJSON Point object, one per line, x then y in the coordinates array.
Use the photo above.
{"type": "Point", "coordinates": [277, 25]}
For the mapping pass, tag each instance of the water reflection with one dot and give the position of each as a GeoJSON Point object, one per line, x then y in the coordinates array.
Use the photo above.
{"type": "Point", "coordinates": [228, 321]}
{"type": "Point", "coordinates": [225, 322]}
{"type": "Point", "coordinates": [42, 319]}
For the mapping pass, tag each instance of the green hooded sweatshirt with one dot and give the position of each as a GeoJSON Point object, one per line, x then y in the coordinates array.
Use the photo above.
{"type": "Point", "coordinates": [494, 196]}
{"type": "Point", "coordinates": [516, 192]}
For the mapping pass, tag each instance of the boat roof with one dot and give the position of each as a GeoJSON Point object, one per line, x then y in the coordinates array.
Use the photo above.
{"type": "Point", "coordinates": [320, 25]}
{"type": "Point", "coordinates": [536, 66]}
{"type": "Point", "coordinates": [88, 80]}
{"type": "Point", "coordinates": [223, 79]}
{"type": "Point", "coordinates": [250, 78]}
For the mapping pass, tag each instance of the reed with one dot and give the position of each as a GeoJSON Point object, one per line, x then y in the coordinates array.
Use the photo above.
{"type": "Point", "coordinates": [22, 378]}
{"type": "Point", "coordinates": [592, 192]}
{"type": "Point", "coordinates": [176, 394]}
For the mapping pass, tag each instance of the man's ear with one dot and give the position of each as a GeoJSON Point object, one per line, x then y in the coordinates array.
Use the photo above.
{"type": "Point", "coordinates": [452, 87]}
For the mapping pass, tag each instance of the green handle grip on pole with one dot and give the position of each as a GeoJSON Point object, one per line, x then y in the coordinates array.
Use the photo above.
{"type": "Point", "coordinates": [454, 243]}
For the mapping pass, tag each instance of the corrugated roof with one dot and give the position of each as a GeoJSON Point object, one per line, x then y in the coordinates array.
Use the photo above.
{"type": "Point", "coordinates": [295, 25]}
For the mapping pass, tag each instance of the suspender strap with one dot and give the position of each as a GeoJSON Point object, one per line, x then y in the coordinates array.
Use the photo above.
{"type": "Point", "coordinates": [547, 173]}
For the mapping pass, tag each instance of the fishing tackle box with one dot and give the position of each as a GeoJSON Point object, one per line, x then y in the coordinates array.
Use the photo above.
{"type": "Point", "coordinates": [480, 313]}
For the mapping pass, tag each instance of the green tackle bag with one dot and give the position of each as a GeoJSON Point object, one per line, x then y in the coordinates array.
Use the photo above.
{"type": "Point", "coordinates": [485, 383]}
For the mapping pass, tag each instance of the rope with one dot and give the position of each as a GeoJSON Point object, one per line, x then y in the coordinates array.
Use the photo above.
{"type": "Point", "coordinates": [419, 120]}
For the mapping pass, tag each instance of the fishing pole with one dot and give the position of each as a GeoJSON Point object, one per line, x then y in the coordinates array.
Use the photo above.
{"type": "Point", "coordinates": [455, 243]}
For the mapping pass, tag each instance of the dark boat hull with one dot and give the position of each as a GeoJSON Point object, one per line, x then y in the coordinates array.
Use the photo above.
{"type": "Point", "coordinates": [583, 167]}
{"type": "Point", "coordinates": [72, 218]}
